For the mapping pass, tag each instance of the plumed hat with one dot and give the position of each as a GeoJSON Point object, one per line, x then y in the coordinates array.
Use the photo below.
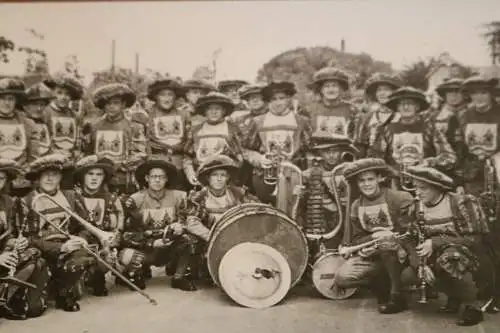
{"type": "Point", "coordinates": [430, 176]}
{"type": "Point", "coordinates": [103, 94]}
{"type": "Point", "coordinates": [93, 162]}
{"type": "Point", "coordinates": [278, 86]}
{"type": "Point", "coordinates": [215, 163]}
{"type": "Point", "coordinates": [330, 74]}
{"type": "Point", "coordinates": [323, 140]}
{"type": "Point", "coordinates": [251, 89]}
{"type": "Point", "coordinates": [156, 161]}
{"type": "Point", "coordinates": [377, 79]}
{"type": "Point", "coordinates": [198, 84]}
{"type": "Point", "coordinates": [224, 84]}
{"type": "Point", "coordinates": [407, 93]}
{"type": "Point", "coordinates": [164, 82]}
{"type": "Point", "coordinates": [453, 84]}
{"type": "Point", "coordinates": [480, 82]}
{"type": "Point", "coordinates": [64, 80]}
{"type": "Point", "coordinates": [57, 162]}
{"type": "Point", "coordinates": [39, 92]}
{"type": "Point", "coordinates": [214, 98]}
{"type": "Point", "coordinates": [10, 167]}
{"type": "Point", "coordinates": [13, 86]}
{"type": "Point", "coordinates": [365, 164]}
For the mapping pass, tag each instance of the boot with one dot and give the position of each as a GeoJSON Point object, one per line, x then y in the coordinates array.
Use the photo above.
{"type": "Point", "coordinates": [452, 306]}
{"type": "Point", "coordinates": [183, 284]}
{"type": "Point", "coordinates": [397, 303]}
{"type": "Point", "coordinates": [67, 303]}
{"type": "Point", "coordinates": [470, 317]}
{"type": "Point", "coordinates": [99, 285]}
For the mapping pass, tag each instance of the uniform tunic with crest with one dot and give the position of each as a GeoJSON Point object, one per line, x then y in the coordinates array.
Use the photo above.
{"type": "Point", "coordinates": [286, 136]}
{"type": "Point", "coordinates": [409, 144]}
{"type": "Point", "coordinates": [478, 138]}
{"type": "Point", "coordinates": [446, 121]}
{"type": "Point", "coordinates": [244, 123]}
{"type": "Point", "coordinates": [17, 138]}
{"type": "Point", "coordinates": [167, 133]}
{"type": "Point", "coordinates": [7, 213]}
{"type": "Point", "coordinates": [338, 119]}
{"type": "Point", "coordinates": [65, 130]}
{"type": "Point", "coordinates": [381, 213]}
{"type": "Point", "coordinates": [207, 140]}
{"type": "Point", "coordinates": [41, 135]}
{"type": "Point", "coordinates": [372, 117]}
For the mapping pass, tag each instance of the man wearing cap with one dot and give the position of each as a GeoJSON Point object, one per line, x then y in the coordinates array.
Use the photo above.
{"type": "Point", "coordinates": [215, 136]}
{"type": "Point", "coordinates": [15, 253]}
{"type": "Point", "coordinates": [278, 135]}
{"type": "Point", "coordinates": [324, 193]}
{"type": "Point", "coordinates": [38, 97]}
{"type": "Point", "coordinates": [98, 206]}
{"type": "Point", "coordinates": [231, 89]}
{"type": "Point", "coordinates": [65, 129]}
{"type": "Point", "coordinates": [332, 113]}
{"type": "Point", "coordinates": [406, 138]}
{"type": "Point", "coordinates": [379, 87]}
{"type": "Point", "coordinates": [168, 127]}
{"type": "Point", "coordinates": [375, 214]}
{"type": "Point", "coordinates": [454, 229]}
{"type": "Point", "coordinates": [115, 137]}
{"type": "Point", "coordinates": [194, 90]}
{"type": "Point", "coordinates": [66, 258]}
{"type": "Point", "coordinates": [155, 233]}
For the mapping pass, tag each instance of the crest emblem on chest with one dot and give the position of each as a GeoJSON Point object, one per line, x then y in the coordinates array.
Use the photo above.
{"type": "Point", "coordinates": [110, 143]}
{"type": "Point", "coordinates": [169, 129]}
{"type": "Point", "coordinates": [375, 218]}
{"type": "Point", "coordinates": [481, 139]}
{"type": "Point", "coordinates": [210, 146]}
{"type": "Point", "coordinates": [280, 143]}
{"type": "Point", "coordinates": [3, 221]}
{"type": "Point", "coordinates": [52, 213]}
{"type": "Point", "coordinates": [157, 218]}
{"type": "Point", "coordinates": [13, 140]}
{"type": "Point", "coordinates": [64, 132]}
{"type": "Point", "coordinates": [42, 136]}
{"type": "Point", "coordinates": [336, 126]}
{"type": "Point", "coordinates": [408, 148]}
{"type": "Point", "coordinates": [96, 207]}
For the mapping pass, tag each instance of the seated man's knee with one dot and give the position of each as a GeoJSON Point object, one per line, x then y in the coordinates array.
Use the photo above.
{"type": "Point", "coordinates": [409, 276]}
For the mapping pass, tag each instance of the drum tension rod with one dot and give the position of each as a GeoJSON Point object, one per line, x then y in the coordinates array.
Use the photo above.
{"type": "Point", "coordinates": [265, 273]}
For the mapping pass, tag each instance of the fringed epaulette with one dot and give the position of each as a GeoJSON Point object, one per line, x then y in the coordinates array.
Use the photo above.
{"type": "Point", "coordinates": [473, 217]}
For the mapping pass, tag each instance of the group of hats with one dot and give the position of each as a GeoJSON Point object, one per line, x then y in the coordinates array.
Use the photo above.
{"type": "Point", "coordinates": [470, 84]}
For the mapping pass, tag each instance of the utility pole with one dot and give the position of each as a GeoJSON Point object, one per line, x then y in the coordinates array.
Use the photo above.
{"type": "Point", "coordinates": [113, 54]}
{"type": "Point", "coordinates": [137, 63]}
{"type": "Point", "coordinates": [342, 45]}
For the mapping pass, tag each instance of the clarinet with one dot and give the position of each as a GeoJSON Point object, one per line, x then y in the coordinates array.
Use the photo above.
{"type": "Point", "coordinates": [421, 237]}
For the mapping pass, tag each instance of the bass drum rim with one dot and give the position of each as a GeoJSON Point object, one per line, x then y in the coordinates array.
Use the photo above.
{"type": "Point", "coordinates": [240, 298]}
{"type": "Point", "coordinates": [262, 208]}
{"type": "Point", "coordinates": [349, 292]}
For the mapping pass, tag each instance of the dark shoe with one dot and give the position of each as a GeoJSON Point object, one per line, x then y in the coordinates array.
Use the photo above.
{"type": "Point", "coordinates": [8, 313]}
{"type": "Point", "coordinates": [147, 273]}
{"type": "Point", "coordinates": [452, 306]}
{"type": "Point", "coordinates": [431, 293]}
{"type": "Point", "coordinates": [183, 284]}
{"type": "Point", "coordinates": [99, 285]}
{"type": "Point", "coordinates": [67, 304]}
{"type": "Point", "coordinates": [397, 303]}
{"type": "Point", "coordinates": [470, 317]}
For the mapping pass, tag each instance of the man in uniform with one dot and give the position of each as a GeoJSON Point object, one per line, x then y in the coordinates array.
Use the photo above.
{"type": "Point", "coordinates": [378, 88]}
{"type": "Point", "coordinates": [25, 263]}
{"type": "Point", "coordinates": [194, 90]}
{"type": "Point", "coordinates": [98, 206]}
{"type": "Point", "coordinates": [231, 88]}
{"type": "Point", "coordinates": [407, 139]}
{"type": "Point", "coordinates": [66, 258]}
{"type": "Point", "coordinates": [115, 137]}
{"type": "Point", "coordinates": [65, 128]}
{"type": "Point", "coordinates": [38, 97]}
{"type": "Point", "coordinates": [332, 113]}
{"type": "Point", "coordinates": [278, 135]}
{"type": "Point", "coordinates": [454, 227]}
{"type": "Point", "coordinates": [18, 132]}
{"type": "Point", "coordinates": [215, 136]}
{"type": "Point", "coordinates": [155, 233]}
{"type": "Point", "coordinates": [375, 214]}
{"type": "Point", "coordinates": [168, 127]}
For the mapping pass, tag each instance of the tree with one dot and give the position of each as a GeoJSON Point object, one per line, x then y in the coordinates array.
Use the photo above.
{"type": "Point", "coordinates": [299, 65]}
{"type": "Point", "coordinates": [491, 35]}
{"type": "Point", "coordinates": [6, 46]}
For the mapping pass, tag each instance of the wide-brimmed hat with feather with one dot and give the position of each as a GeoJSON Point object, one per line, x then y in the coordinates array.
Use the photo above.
{"type": "Point", "coordinates": [214, 98]}
{"type": "Point", "coordinates": [105, 93]}
{"type": "Point", "coordinates": [164, 82]}
{"type": "Point", "coordinates": [64, 80]}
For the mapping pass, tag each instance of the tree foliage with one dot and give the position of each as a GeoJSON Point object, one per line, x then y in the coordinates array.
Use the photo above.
{"type": "Point", "coordinates": [298, 65]}
{"type": "Point", "coordinates": [491, 35]}
{"type": "Point", "coordinates": [6, 47]}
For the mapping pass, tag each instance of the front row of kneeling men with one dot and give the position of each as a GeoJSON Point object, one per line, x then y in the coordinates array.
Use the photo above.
{"type": "Point", "coordinates": [159, 226]}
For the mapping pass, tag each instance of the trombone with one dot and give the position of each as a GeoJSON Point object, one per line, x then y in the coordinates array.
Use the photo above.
{"type": "Point", "coordinates": [101, 235]}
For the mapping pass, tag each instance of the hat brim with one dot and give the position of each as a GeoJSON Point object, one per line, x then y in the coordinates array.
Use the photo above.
{"type": "Point", "coordinates": [75, 93]}
{"type": "Point", "coordinates": [128, 98]}
{"type": "Point", "coordinates": [269, 91]}
{"type": "Point", "coordinates": [203, 176]}
{"type": "Point", "coordinates": [318, 84]}
{"type": "Point", "coordinates": [348, 147]}
{"type": "Point", "coordinates": [477, 85]}
{"type": "Point", "coordinates": [385, 170]}
{"type": "Point", "coordinates": [80, 172]}
{"type": "Point", "coordinates": [231, 83]}
{"type": "Point", "coordinates": [39, 99]}
{"type": "Point", "coordinates": [393, 102]}
{"type": "Point", "coordinates": [155, 89]}
{"type": "Point", "coordinates": [371, 89]}
{"type": "Point", "coordinates": [441, 91]}
{"type": "Point", "coordinates": [143, 170]}
{"type": "Point", "coordinates": [226, 105]}
{"type": "Point", "coordinates": [34, 175]}
{"type": "Point", "coordinates": [11, 172]}
{"type": "Point", "coordinates": [428, 181]}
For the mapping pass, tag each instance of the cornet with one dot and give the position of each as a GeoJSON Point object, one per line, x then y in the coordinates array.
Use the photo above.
{"type": "Point", "coordinates": [271, 172]}
{"type": "Point", "coordinates": [349, 250]}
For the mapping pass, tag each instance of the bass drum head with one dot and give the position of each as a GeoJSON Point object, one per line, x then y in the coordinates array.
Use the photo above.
{"type": "Point", "coordinates": [258, 223]}
{"type": "Point", "coordinates": [255, 275]}
{"type": "Point", "coordinates": [323, 276]}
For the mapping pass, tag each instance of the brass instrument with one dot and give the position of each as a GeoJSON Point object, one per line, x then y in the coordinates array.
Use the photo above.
{"type": "Point", "coordinates": [349, 250]}
{"type": "Point", "coordinates": [405, 181]}
{"type": "Point", "coordinates": [488, 197]}
{"type": "Point", "coordinates": [271, 172]}
{"type": "Point", "coordinates": [104, 237]}
{"type": "Point", "coordinates": [421, 236]}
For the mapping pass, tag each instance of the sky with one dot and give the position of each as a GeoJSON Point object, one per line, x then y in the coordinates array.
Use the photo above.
{"type": "Point", "coordinates": [176, 37]}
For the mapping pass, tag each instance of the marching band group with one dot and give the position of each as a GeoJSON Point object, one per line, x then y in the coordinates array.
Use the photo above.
{"type": "Point", "coordinates": [409, 189]}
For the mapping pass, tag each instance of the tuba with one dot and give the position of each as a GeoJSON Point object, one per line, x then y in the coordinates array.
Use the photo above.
{"type": "Point", "coordinates": [488, 197]}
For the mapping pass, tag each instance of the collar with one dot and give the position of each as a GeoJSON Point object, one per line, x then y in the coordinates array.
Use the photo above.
{"type": "Point", "coordinates": [116, 119]}
{"type": "Point", "coordinates": [163, 111]}
{"type": "Point", "coordinates": [217, 195]}
{"type": "Point", "coordinates": [157, 196]}
{"type": "Point", "coordinates": [96, 194]}
{"type": "Point", "coordinates": [58, 109]}
{"type": "Point", "coordinates": [380, 193]}
{"type": "Point", "coordinates": [8, 116]}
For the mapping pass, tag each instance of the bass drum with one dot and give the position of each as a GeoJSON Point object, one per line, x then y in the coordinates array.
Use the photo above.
{"type": "Point", "coordinates": [261, 224]}
{"type": "Point", "coordinates": [323, 276]}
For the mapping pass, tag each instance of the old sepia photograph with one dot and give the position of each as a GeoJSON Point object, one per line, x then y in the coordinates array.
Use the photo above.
{"type": "Point", "coordinates": [250, 166]}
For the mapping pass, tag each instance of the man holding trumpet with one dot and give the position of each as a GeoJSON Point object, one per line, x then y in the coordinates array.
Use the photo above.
{"type": "Point", "coordinates": [374, 220]}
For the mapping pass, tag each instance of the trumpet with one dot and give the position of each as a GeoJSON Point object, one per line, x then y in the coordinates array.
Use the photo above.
{"type": "Point", "coordinates": [405, 181]}
{"type": "Point", "coordinates": [104, 238]}
{"type": "Point", "coordinates": [271, 173]}
{"type": "Point", "coordinates": [349, 250]}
